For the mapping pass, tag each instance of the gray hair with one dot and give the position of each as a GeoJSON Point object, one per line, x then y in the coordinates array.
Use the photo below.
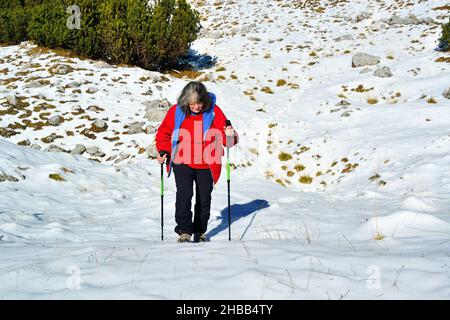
{"type": "Point", "coordinates": [196, 91]}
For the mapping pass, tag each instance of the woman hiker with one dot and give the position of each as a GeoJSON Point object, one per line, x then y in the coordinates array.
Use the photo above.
{"type": "Point", "coordinates": [191, 137]}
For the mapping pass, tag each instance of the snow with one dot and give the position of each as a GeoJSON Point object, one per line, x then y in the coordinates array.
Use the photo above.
{"type": "Point", "coordinates": [373, 224]}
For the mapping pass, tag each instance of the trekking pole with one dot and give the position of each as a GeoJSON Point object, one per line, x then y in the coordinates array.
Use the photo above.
{"type": "Point", "coordinates": [228, 123]}
{"type": "Point", "coordinates": [161, 153]}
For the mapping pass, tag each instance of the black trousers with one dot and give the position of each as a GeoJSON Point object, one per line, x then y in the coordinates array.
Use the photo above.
{"type": "Point", "coordinates": [184, 179]}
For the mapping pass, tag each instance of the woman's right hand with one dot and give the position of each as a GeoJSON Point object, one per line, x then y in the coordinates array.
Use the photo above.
{"type": "Point", "coordinates": [162, 156]}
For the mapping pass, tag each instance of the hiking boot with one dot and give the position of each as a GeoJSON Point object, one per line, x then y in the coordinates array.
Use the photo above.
{"type": "Point", "coordinates": [199, 237]}
{"type": "Point", "coordinates": [184, 237]}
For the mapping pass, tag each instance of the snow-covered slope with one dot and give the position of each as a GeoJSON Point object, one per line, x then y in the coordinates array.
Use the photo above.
{"type": "Point", "coordinates": [341, 180]}
{"type": "Point", "coordinates": [96, 235]}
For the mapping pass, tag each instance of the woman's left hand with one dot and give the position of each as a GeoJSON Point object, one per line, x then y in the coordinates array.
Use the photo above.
{"type": "Point", "coordinates": [229, 131]}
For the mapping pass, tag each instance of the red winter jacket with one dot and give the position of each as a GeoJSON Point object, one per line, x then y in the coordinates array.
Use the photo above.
{"type": "Point", "coordinates": [165, 130]}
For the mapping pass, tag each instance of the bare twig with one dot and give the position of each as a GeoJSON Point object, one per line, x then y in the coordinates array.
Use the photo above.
{"type": "Point", "coordinates": [247, 251]}
{"type": "Point", "coordinates": [354, 271]}
{"type": "Point", "coordinates": [349, 242]}
{"type": "Point", "coordinates": [263, 287]}
{"type": "Point", "coordinates": [110, 255]}
{"type": "Point", "coordinates": [343, 296]}
{"type": "Point", "coordinates": [309, 275]}
{"type": "Point", "coordinates": [398, 276]}
{"type": "Point", "coordinates": [291, 284]}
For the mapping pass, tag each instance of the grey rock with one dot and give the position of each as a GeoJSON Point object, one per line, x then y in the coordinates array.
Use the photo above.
{"type": "Point", "coordinates": [26, 66]}
{"type": "Point", "coordinates": [100, 124]}
{"type": "Point", "coordinates": [135, 128]}
{"type": "Point", "coordinates": [394, 19]}
{"type": "Point", "coordinates": [256, 39]}
{"type": "Point", "coordinates": [335, 110]}
{"type": "Point", "coordinates": [76, 108]}
{"type": "Point", "coordinates": [25, 142]}
{"type": "Point", "coordinates": [151, 151]}
{"type": "Point", "coordinates": [78, 150]}
{"type": "Point", "coordinates": [156, 110]}
{"type": "Point", "coordinates": [156, 115]}
{"type": "Point", "coordinates": [49, 139]}
{"type": "Point", "coordinates": [92, 108]}
{"type": "Point", "coordinates": [55, 121]}
{"type": "Point", "coordinates": [364, 59]}
{"type": "Point", "coordinates": [411, 19]}
{"type": "Point", "coordinates": [216, 35]}
{"type": "Point", "coordinates": [363, 16]}
{"type": "Point", "coordinates": [35, 147]}
{"type": "Point", "coordinates": [234, 30]}
{"type": "Point", "coordinates": [111, 158]}
{"type": "Point", "coordinates": [55, 148]}
{"type": "Point", "coordinates": [95, 152]}
{"type": "Point", "coordinates": [61, 69]}
{"type": "Point", "coordinates": [427, 20]}
{"type": "Point", "coordinates": [73, 84]}
{"type": "Point", "coordinates": [100, 154]}
{"type": "Point", "coordinates": [165, 103]}
{"type": "Point", "coordinates": [247, 28]}
{"type": "Point", "coordinates": [377, 26]}
{"type": "Point", "coordinates": [122, 157]}
{"type": "Point", "coordinates": [102, 64]}
{"type": "Point", "coordinates": [345, 114]}
{"type": "Point", "coordinates": [211, 34]}
{"type": "Point", "coordinates": [365, 70]}
{"type": "Point", "coordinates": [33, 84]}
{"type": "Point", "coordinates": [203, 33]}
{"type": "Point", "coordinates": [60, 89]}
{"type": "Point", "coordinates": [361, 36]}
{"type": "Point", "coordinates": [92, 90]}
{"type": "Point", "coordinates": [11, 100]}
{"type": "Point", "coordinates": [343, 103]}
{"type": "Point", "coordinates": [151, 104]}
{"type": "Point", "coordinates": [149, 92]}
{"type": "Point", "coordinates": [383, 72]}
{"type": "Point", "coordinates": [149, 129]}
{"type": "Point", "coordinates": [446, 93]}
{"type": "Point", "coordinates": [6, 177]}
{"type": "Point", "coordinates": [344, 38]}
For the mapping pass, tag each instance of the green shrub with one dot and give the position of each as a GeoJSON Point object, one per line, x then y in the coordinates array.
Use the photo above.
{"type": "Point", "coordinates": [116, 40]}
{"type": "Point", "coordinates": [444, 41]}
{"type": "Point", "coordinates": [119, 31]}
{"type": "Point", "coordinates": [13, 22]}
{"type": "Point", "coordinates": [86, 41]}
{"type": "Point", "coordinates": [47, 25]}
{"type": "Point", "coordinates": [10, 4]}
{"type": "Point", "coordinates": [173, 26]}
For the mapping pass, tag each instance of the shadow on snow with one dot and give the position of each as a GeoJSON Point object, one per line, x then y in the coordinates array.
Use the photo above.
{"type": "Point", "coordinates": [238, 211]}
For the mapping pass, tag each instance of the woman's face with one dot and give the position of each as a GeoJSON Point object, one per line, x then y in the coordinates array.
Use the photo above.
{"type": "Point", "coordinates": [195, 106]}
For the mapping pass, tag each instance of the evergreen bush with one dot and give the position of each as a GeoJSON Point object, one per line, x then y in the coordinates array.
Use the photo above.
{"type": "Point", "coordinates": [151, 34]}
